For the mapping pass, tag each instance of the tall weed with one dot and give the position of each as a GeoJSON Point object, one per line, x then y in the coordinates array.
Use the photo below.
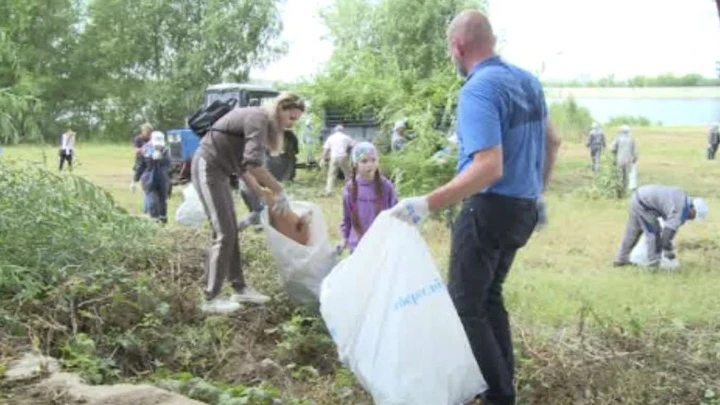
{"type": "Point", "coordinates": [607, 183]}
{"type": "Point", "coordinates": [571, 120]}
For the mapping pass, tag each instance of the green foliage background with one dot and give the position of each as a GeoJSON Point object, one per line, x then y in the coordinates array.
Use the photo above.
{"type": "Point", "coordinates": [106, 66]}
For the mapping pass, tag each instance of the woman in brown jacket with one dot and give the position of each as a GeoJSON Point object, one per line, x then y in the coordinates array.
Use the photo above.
{"type": "Point", "coordinates": [238, 143]}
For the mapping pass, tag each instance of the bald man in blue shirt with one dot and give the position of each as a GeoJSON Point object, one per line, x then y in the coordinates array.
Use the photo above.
{"type": "Point", "coordinates": [507, 149]}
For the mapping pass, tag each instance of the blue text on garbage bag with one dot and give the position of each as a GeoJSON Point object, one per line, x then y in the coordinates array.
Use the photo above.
{"type": "Point", "coordinates": [416, 296]}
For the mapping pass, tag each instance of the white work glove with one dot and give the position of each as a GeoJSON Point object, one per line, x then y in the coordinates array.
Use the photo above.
{"type": "Point", "coordinates": [282, 203]}
{"type": "Point", "coordinates": [133, 186]}
{"type": "Point", "coordinates": [411, 210]}
{"type": "Point", "coordinates": [157, 155]}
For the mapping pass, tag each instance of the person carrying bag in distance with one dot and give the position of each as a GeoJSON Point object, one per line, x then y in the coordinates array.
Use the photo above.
{"type": "Point", "coordinates": [237, 143]}
{"type": "Point", "coordinates": [507, 149]}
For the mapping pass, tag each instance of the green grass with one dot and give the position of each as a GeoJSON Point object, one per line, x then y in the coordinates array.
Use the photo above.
{"type": "Point", "coordinates": [562, 268]}
{"type": "Point", "coordinates": [563, 279]}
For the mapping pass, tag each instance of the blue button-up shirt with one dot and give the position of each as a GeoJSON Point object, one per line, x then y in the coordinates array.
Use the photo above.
{"type": "Point", "coordinates": [503, 105]}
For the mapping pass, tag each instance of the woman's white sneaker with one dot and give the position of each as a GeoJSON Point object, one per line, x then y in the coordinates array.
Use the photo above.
{"type": "Point", "coordinates": [249, 294]}
{"type": "Point", "coordinates": [220, 305]}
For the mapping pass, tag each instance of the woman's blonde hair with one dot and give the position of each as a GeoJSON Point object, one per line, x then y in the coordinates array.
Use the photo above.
{"type": "Point", "coordinates": [146, 127]}
{"type": "Point", "coordinates": [284, 101]}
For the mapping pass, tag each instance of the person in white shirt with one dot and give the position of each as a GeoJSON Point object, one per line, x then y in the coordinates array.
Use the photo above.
{"type": "Point", "coordinates": [336, 152]}
{"type": "Point", "coordinates": [67, 148]}
{"type": "Point", "coordinates": [398, 135]}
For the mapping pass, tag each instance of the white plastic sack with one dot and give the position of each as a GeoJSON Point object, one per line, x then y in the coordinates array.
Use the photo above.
{"type": "Point", "coordinates": [302, 268]}
{"type": "Point", "coordinates": [639, 254]}
{"type": "Point", "coordinates": [633, 177]}
{"type": "Point", "coordinates": [191, 212]}
{"type": "Point", "coordinates": [394, 324]}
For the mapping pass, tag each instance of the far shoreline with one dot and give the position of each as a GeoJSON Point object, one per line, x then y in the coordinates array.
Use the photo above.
{"type": "Point", "coordinates": [633, 92]}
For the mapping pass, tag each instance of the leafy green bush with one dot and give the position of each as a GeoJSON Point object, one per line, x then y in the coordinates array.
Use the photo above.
{"type": "Point", "coordinates": [417, 174]}
{"type": "Point", "coordinates": [114, 296]}
{"type": "Point", "coordinates": [305, 341]}
{"type": "Point", "coordinates": [631, 120]}
{"type": "Point", "coordinates": [216, 393]}
{"type": "Point", "coordinates": [60, 226]}
{"type": "Point", "coordinates": [87, 280]}
{"type": "Point", "coordinates": [80, 353]}
{"type": "Point", "coordinates": [571, 120]}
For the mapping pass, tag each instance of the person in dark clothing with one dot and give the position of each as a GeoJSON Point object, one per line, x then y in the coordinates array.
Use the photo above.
{"type": "Point", "coordinates": [153, 171]}
{"type": "Point", "coordinates": [713, 140]}
{"type": "Point", "coordinates": [138, 143]}
{"type": "Point", "coordinates": [596, 143]}
{"type": "Point", "coordinates": [292, 149]}
{"type": "Point", "coordinates": [507, 149]}
{"type": "Point", "coordinates": [282, 165]}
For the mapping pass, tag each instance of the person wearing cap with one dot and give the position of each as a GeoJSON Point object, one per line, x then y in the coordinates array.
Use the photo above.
{"type": "Point", "coordinates": [596, 144]}
{"type": "Point", "coordinates": [154, 175]}
{"type": "Point", "coordinates": [713, 141]}
{"type": "Point", "coordinates": [366, 194]}
{"type": "Point", "coordinates": [647, 204]}
{"type": "Point", "coordinates": [336, 152]}
{"type": "Point", "coordinates": [625, 154]}
{"type": "Point", "coordinates": [67, 149]}
{"type": "Point", "coordinates": [397, 140]}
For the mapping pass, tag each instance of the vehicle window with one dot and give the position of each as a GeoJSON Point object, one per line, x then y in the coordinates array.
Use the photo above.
{"type": "Point", "coordinates": [211, 97]}
{"type": "Point", "coordinates": [265, 98]}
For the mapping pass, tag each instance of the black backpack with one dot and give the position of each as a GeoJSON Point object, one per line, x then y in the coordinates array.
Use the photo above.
{"type": "Point", "coordinates": [203, 119]}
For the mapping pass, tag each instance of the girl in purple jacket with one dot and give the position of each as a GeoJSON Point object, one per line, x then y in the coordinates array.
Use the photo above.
{"type": "Point", "coordinates": [366, 194]}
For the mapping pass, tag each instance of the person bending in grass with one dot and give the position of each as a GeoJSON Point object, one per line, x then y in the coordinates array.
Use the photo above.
{"type": "Point", "coordinates": [647, 204]}
{"type": "Point", "coordinates": [366, 194]}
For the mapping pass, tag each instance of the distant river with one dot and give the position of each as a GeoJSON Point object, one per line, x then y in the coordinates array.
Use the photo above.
{"type": "Point", "coordinates": [694, 107]}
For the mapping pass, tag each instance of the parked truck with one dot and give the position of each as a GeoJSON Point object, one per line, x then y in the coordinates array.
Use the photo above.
{"type": "Point", "coordinates": [183, 142]}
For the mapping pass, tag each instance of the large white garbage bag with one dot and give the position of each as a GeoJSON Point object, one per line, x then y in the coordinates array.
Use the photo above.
{"type": "Point", "coordinates": [639, 254]}
{"type": "Point", "coordinates": [191, 212]}
{"type": "Point", "coordinates": [394, 324]}
{"type": "Point", "coordinates": [302, 268]}
{"type": "Point", "coordinates": [633, 177]}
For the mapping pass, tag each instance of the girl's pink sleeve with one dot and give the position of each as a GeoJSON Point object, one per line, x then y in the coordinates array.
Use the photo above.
{"type": "Point", "coordinates": [345, 224]}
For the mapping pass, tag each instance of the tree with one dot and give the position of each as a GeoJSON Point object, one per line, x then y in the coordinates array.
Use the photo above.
{"type": "Point", "coordinates": [103, 66]}
{"type": "Point", "coordinates": [391, 56]}
{"type": "Point", "coordinates": [36, 38]}
{"type": "Point", "coordinates": [157, 56]}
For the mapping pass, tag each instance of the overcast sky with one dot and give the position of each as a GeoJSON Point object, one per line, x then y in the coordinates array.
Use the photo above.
{"type": "Point", "coordinates": [574, 38]}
